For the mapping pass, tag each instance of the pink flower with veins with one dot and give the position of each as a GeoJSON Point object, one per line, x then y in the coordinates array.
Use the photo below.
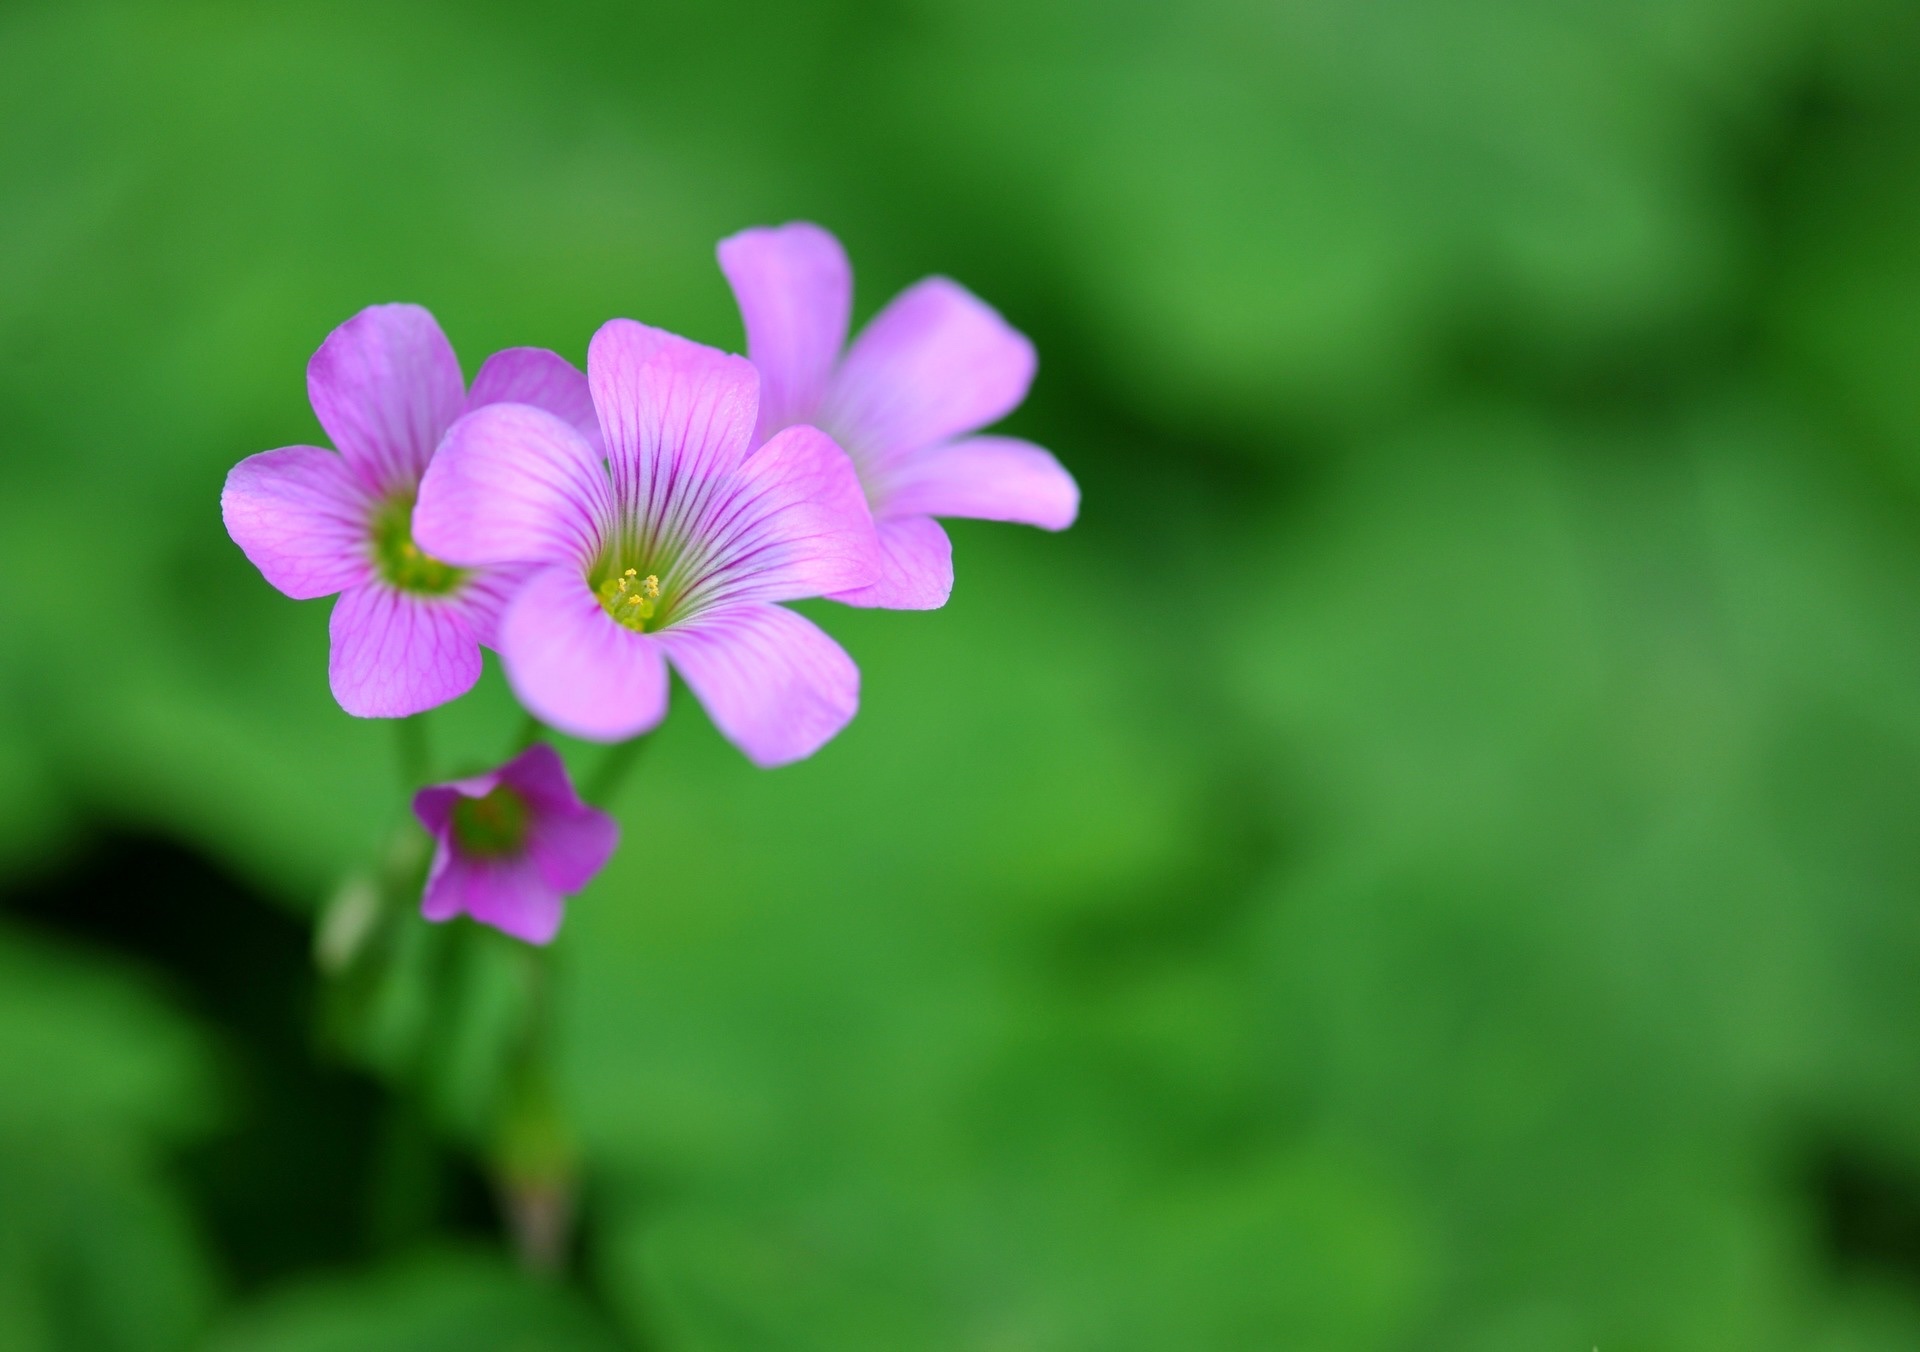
{"type": "Point", "coordinates": [905, 401]}
{"type": "Point", "coordinates": [407, 629]}
{"type": "Point", "coordinates": [675, 546]}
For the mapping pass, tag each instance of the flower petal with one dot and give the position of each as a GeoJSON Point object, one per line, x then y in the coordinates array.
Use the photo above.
{"type": "Point", "coordinates": [395, 653]}
{"type": "Point", "coordinates": [433, 805]}
{"type": "Point", "coordinates": [301, 516]}
{"type": "Point", "coordinates": [483, 597]}
{"type": "Point", "coordinates": [792, 523]}
{"type": "Point", "coordinates": [386, 385]}
{"type": "Point", "coordinates": [677, 416]}
{"type": "Point", "coordinates": [573, 667]}
{"type": "Point", "coordinates": [795, 290]}
{"type": "Point", "coordinates": [992, 478]}
{"type": "Point", "coordinates": [570, 848]}
{"type": "Point", "coordinates": [509, 894]}
{"type": "Point", "coordinates": [916, 567]}
{"type": "Point", "coordinates": [512, 484]}
{"type": "Point", "coordinates": [937, 363]}
{"type": "Point", "coordinates": [533, 375]}
{"type": "Point", "coordinates": [774, 684]}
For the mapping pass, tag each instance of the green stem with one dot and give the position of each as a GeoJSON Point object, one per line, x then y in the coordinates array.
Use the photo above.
{"type": "Point", "coordinates": [413, 756]}
{"type": "Point", "coordinates": [606, 781]}
{"type": "Point", "coordinates": [534, 1158]}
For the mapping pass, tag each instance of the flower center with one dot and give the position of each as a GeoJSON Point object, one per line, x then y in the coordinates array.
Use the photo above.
{"type": "Point", "coordinates": [400, 560]}
{"type": "Point", "coordinates": [631, 599]}
{"type": "Point", "coordinates": [492, 826]}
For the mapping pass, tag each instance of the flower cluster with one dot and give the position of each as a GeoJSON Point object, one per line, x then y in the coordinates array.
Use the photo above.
{"type": "Point", "coordinates": [594, 529]}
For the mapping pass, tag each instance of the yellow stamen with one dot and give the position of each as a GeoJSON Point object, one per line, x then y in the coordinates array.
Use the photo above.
{"type": "Point", "coordinates": [631, 599]}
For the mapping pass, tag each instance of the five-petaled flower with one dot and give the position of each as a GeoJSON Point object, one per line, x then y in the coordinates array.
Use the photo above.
{"type": "Point", "coordinates": [407, 629]}
{"type": "Point", "coordinates": [932, 368]}
{"type": "Point", "coordinates": [674, 547]}
{"type": "Point", "coordinates": [512, 845]}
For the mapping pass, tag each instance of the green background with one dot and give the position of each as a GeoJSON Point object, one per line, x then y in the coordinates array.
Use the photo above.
{"type": "Point", "coordinates": [1430, 861]}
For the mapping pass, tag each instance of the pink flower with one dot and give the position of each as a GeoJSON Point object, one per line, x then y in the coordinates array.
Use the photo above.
{"type": "Point", "coordinates": [931, 369]}
{"type": "Point", "coordinates": [407, 628]}
{"type": "Point", "coordinates": [512, 845]}
{"type": "Point", "coordinates": [674, 547]}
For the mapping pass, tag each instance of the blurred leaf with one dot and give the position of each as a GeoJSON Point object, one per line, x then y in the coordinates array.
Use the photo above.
{"type": "Point", "coordinates": [97, 1253]}
{"type": "Point", "coordinates": [438, 1303]}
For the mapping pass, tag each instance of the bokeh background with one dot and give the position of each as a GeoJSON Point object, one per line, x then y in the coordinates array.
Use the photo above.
{"type": "Point", "coordinates": [1430, 861]}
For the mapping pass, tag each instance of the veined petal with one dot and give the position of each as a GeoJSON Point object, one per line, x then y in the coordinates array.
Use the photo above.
{"type": "Point", "coordinates": [396, 653]}
{"type": "Point", "coordinates": [916, 567]}
{"type": "Point", "coordinates": [512, 484]}
{"type": "Point", "coordinates": [511, 895]}
{"type": "Point", "coordinates": [301, 516]}
{"type": "Point", "coordinates": [794, 287]}
{"type": "Point", "coordinates": [792, 523]}
{"type": "Point", "coordinates": [937, 363]}
{"type": "Point", "coordinates": [483, 597]}
{"type": "Point", "coordinates": [386, 385]}
{"type": "Point", "coordinates": [992, 478]}
{"type": "Point", "coordinates": [773, 683]}
{"type": "Point", "coordinates": [533, 375]}
{"type": "Point", "coordinates": [576, 669]}
{"type": "Point", "coordinates": [678, 419]}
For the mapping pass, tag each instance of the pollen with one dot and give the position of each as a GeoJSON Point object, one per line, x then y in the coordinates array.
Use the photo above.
{"type": "Point", "coordinates": [632, 600]}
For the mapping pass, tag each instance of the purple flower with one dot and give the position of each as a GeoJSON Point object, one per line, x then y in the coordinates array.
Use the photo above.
{"type": "Point", "coordinates": [674, 547]}
{"type": "Point", "coordinates": [386, 386]}
{"type": "Point", "coordinates": [512, 845]}
{"type": "Point", "coordinates": [934, 367]}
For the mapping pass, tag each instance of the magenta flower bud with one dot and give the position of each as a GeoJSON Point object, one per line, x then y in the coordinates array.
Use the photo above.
{"type": "Point", "coordinates": [906, 402]}
{"type": "Point", "coordinates": [512, 845]}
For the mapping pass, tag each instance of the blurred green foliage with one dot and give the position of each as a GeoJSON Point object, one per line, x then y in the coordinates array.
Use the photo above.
{"type": "Point", "coordinates": [1430, 861]}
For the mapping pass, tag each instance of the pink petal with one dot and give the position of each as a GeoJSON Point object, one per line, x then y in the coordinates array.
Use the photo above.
{"type": "Point", "coordinates": [793, 523]}
{"type": "Point", "coordinates": [395, 653]}
{"type": "Point", "coordinates": [993, 478]}
{"type": "Point", "coordinates": [433, 805]}
{"type": "Point", "coordinates": [512, 484]}
{"type": "Point", "coordinates": [937, 363]}
{"type": "Point", "coordinates": [386, 385]}
{"type": "Point", "coordinates": [916, 567]}
{"type": "Point", "coordinates": [484, 595]}
{"type": "Point", "coordinates": [301, 516]}
{"type": "Point", "coordinates": [677, 416]}
{"type": "Point", "coordinates": [533, 375]}
{"type": "Point", "coordinates": [570, 848]}
{"type": "Point", "coordinates": [569, 841]}
{"type": "Point", "coordinates": [509, 894]}
{"type": "Point", "coordinates": [795, 290]}
{"type": "Point", "coordinates": [773, 683]}
{"type": "Point", "coordinates": [573, 667]}
{"type": "Point", "coordinates": [540, 776]}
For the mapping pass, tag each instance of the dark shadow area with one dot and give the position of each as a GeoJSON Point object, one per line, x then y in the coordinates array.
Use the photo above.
{"type": "Point", "coordinates": [1869, 1210]}
{"type": "Point", "coordinates": [319, 1165]}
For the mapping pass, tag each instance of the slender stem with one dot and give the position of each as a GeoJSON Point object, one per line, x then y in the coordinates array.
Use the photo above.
{"type": "Point", "coordinates": [606, 781]}
{"type": "Point", "coordinates": [413, 754]}
{"type": "Point", "coordinates": [534, 1155]}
